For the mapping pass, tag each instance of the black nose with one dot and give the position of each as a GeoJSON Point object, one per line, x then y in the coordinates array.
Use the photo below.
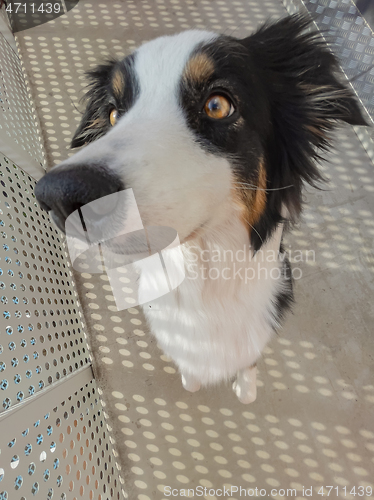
{"type": "Point", "coordinates": [67, 188]}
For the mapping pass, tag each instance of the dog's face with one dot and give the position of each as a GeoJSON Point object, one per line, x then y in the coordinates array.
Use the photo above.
{"type": "Point", "coordinates": [202, 126]}
{"type": "Point", "coordinates": [164, 123]}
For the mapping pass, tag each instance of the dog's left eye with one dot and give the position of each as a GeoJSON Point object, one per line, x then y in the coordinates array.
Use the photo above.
{"type": "Point", "coordinates": [113, 117]}
{"type": "Point", "coordinates": [218, 107]}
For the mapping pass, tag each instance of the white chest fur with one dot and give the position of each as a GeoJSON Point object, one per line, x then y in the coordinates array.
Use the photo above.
{"type": "Point", "coordinates": [219, 319]}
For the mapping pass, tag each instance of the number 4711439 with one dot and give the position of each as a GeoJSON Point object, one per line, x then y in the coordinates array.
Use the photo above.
{"type": "Point", "coordinates": [359, 491]}
{"type": "Point", "coordinates": [32, 8]}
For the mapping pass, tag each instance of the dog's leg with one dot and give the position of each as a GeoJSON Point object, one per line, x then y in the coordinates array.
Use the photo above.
{"type": "Point", "coordinates": [245, 385]}
{"type": "Point", "coordinates": [190, 383]}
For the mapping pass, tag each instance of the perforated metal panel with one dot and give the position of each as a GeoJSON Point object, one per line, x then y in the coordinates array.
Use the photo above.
{"type": "Point", "coordinates": [352, 40]}
{"type": "Point", "coordinates": [60, 451]}
{"type": "Point", "coordinates": [41, 332]}
{"type": "Point", "coordinates": [5, 29]}
{"type": "Point", "coordinates": [54, 442]}
{"type": "Point", "coordinates": [18, 125]}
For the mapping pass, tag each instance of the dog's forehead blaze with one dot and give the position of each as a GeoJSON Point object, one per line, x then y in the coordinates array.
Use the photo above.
{"type": "Point", "coordinates": [199, 68]}
{"type": "Point", "coordinates": [251, 200]}
{"type": "Point", "coordinates": [118, 82]}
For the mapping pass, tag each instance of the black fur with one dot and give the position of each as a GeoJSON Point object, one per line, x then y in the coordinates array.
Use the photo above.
{"type": "Point", "coordinates": [285, 298]}
{"type": "Point", "coordinates": [285, 86]}
{"type": "Point", "coordinates": [307, 98]}
{"type": "Point", "coordinates": [101, 99]}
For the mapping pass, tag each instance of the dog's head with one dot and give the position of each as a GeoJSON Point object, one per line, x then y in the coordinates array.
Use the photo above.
{"type": "Point", "coordinates": [201, 125]}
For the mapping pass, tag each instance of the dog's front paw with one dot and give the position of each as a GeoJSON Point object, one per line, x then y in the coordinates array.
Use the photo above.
{"type": "Point", "coordinates": [244, 395]}
{"type": "Point", "coordinates": [190, 383]}
{"type": "Point", "coordinates": [245, 385]}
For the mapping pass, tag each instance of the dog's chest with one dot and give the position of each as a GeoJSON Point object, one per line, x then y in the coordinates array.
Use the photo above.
{"type": "Point", "coordinates": [220, 318]}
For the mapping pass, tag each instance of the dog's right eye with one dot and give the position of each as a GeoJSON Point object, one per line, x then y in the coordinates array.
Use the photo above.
{"type": "Point", "coordinates": [218, 106]}
{"type": "Point", "coordinates": [113, 116]}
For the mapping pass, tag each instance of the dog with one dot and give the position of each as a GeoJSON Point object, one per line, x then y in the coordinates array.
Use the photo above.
{"type": "Point", "coordinates": [216, 136]}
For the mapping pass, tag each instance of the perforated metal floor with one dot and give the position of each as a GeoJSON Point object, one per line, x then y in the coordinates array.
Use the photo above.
{"type": "Point", "coordinates": [312, 424]}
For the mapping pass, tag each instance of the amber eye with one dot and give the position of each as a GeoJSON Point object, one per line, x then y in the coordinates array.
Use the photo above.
{"type": "Point", "coordinates": [218, 107]}
{"type": "Point", "coordinates": [113, 117]}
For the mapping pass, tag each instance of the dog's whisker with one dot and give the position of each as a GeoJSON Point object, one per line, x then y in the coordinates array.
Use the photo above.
{"type": "Point", "coordinates": [255, 230]}
{"type": "Point", "coordinates": [75, 107]}
{"type": "Point", "coordinates": [255, 188]}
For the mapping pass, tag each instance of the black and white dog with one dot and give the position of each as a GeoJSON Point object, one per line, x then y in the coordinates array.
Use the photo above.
{"type": "Point", "coordinates": [216, 136]}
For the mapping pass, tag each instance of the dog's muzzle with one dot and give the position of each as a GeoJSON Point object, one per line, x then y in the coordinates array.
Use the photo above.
{"type": "Point", "coordinates": [67, 188]}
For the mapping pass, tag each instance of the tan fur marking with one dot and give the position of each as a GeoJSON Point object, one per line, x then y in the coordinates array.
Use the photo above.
{"type": "Point", "coordinates": [318, 132]}
{"type": "Point", "coordinates": [199, 68]}
{"type": "Point", "coordinates": [260, 197]}
{"type": "Point", "coordinates": [98, 123]}
{"type": "Point", "coordinates": [118, 83]}
{"type": "Point", "coordinates": [251, 201]}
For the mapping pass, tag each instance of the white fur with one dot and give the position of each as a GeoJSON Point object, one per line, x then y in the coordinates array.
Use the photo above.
{"type": "Point", "coordinates": [213, 328]}
{"type": "Point", "coordinates": [163, 60]}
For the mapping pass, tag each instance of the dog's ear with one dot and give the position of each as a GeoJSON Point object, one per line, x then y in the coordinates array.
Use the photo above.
{"type": "Point", "coordinates": [307, 97]}
{"type": "Point", "coordinates": [94, 121]}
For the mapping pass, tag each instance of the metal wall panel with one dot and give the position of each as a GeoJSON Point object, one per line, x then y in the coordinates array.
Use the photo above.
{"type": "Point", "coordinates": [5, 29]}
{"type": "Point", "coordinates": [42, 337]}
{"type": "Point", "coordinates": [54, 442]}
{"type": "Point", "coordinates": [58, 447]}
{"type": "Point", "coordinates": [352, 41]}
{"type": "Point", "coordinates": [19, 133]}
